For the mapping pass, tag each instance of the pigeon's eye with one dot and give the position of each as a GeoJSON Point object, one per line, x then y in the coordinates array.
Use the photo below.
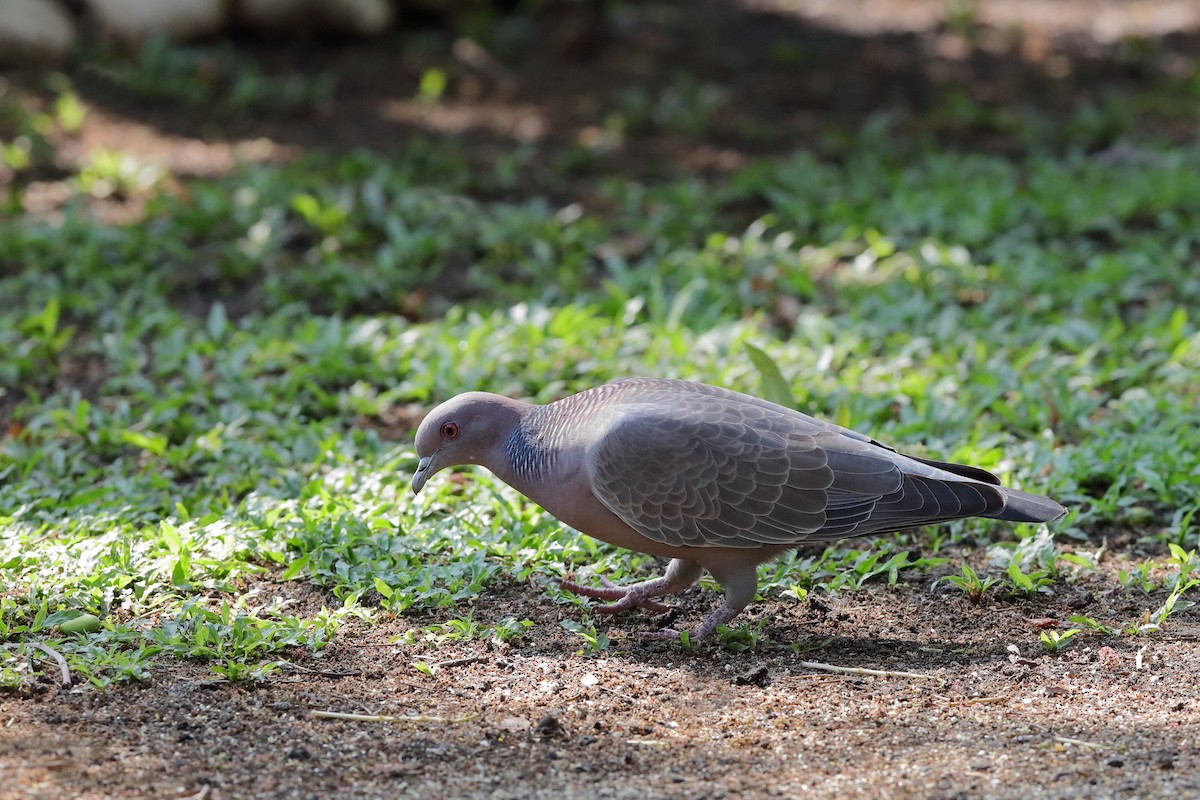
{"type": "Point", "coordinates": [450, 430]}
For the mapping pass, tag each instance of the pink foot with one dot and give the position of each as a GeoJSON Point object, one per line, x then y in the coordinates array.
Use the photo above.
{"type": "Point", "coordinates": [719, 617]}
{"type": "Point", "coordinates": [639, 595]}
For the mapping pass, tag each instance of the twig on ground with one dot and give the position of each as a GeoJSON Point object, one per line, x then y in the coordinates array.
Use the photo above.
{"type": "Point", "coordinates": [1078, 742]}
{"type": "Point", "coordinates": [388, 718]}
{"type": "Point", "coordinates": [613, 692]}
{"type": "Point", "coordinates": [457, 662]}
{"type": "Point", "coordinates": [325, 673]}
{"type": "Point", "coordinates": [975, 701]}
{"type": "Point", "coordinates": [862, 671]}
{"type": "Point", "coordinates": [62, 662]}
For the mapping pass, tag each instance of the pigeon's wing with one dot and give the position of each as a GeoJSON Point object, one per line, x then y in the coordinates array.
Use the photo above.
{"type": "Point", "coordinates": [713, 471]}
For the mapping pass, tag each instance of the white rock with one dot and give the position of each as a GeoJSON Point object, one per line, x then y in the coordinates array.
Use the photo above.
{"type": "Point", "coordinates": [130, 22]}
{"type": "Point", "coordinates": [34, 31]}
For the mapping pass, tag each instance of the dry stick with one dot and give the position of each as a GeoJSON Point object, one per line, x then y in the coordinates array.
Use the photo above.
{"type": "Point", "coordinates": [62, 662]}
{"type": "Point", "coordinates": [324, 673]}
{"type": "Point", "coordinates": [387, 718]}
{"type": "Point", "coordinates": [614, 692]}
{"type": "Point", "coordinates": [457, 662]}
{"type": "Point", "coordinates": [974, 701]}
{"type": "Point", "coordinates": [1078, 742]}
{"type": "Point", "coordinates": [200, 795]}
{"type": "Point", "coordinates": [348, 674]}
{"type": "Point", "coordinates": [862, 671]}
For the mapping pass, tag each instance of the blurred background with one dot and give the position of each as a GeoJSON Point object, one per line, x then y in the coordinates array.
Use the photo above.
{"type": "Point", "coordinates": [544, 94]}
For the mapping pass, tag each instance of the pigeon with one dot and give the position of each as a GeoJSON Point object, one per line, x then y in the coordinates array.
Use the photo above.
{"type": "Point", "coordinates": [710, 478]}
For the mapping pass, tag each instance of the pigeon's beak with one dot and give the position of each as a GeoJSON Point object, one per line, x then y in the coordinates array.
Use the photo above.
{"type": "Point", "coordinates": [422, 474]}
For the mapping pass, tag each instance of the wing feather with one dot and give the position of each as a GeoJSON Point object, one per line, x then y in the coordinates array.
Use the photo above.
{"type": "Point", "coordinates": [691, 465]}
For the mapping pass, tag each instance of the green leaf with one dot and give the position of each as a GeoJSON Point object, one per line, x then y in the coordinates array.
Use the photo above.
{"type": "Point", "coordinates": [44, 323]}
{"type": "Point", "coordinates": [217, 322]}
{"type": "Point", "coordinates": [179, 573]}
{"type": "Point", "coordinates": [774, 387]}
{"type": "Point", "coordinates": [296, 567]}
{"type": "Point", "coordinates": [1020, 580]}
{"type": "Point", "coordinates": [170, 536]}
{"type": "Point", "coordinates": [433, 84]}
{"type": "Point", "coordinates": [151, 442]}
{"type": "Point", "coordinates": [383, 589]}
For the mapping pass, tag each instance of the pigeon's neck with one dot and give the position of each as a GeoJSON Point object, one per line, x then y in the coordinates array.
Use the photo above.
{"type": "Point", "coordinates": [548, 446]}
{"type": "Point", "coordinates": [532, 449]}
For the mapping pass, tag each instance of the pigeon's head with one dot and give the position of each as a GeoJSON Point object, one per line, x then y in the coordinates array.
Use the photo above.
{"type": "Point", "coordinates": [467, 429]}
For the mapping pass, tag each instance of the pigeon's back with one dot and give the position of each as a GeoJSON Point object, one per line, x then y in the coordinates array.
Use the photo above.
{"type": "Point", "coordinates": [688, 464]}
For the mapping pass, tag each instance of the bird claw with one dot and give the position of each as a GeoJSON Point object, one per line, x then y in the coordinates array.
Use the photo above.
{"type": "Point", "coordinates": [626, 597]}
{"type": "Point", "coordinates": [653, 606]}
{"type": "Point", "coordinates": [721, 616]}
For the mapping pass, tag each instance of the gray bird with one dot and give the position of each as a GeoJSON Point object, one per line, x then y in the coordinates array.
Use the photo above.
{"type": "Point", "coordinates": [710, 478]}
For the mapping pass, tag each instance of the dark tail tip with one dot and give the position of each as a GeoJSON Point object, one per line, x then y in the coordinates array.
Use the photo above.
{"type": "Point", "coordinates": [1025, 507]}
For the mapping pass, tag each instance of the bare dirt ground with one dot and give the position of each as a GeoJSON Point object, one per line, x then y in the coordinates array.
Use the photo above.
{"type": "Point", "coordinates": [1116, 717]}
{"type": "Point", "coordinates": [539, 719]}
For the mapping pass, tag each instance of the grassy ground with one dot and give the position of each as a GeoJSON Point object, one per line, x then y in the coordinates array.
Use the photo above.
{"type": "Point", "coordinates": [208, 386]}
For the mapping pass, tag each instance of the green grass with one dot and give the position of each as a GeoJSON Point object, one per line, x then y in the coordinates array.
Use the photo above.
{"type": "Point", "coordinates": [192, 399]}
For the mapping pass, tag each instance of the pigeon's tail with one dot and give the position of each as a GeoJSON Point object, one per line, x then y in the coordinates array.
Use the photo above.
{"type": "Point", "coordinates": [1025, 507]}
{"type": "Point", "coordinates": [1018, 506]}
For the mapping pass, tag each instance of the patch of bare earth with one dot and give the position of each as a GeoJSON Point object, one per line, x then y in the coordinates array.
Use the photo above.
{"type": "Point", "coordinates": [994, 716]}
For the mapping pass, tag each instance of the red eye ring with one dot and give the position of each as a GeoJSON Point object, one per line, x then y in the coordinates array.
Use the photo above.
{"type": "Point", "coordinates": [450, 430]}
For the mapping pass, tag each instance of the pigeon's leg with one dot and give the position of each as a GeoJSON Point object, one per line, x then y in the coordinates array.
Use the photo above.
{"type": "Point", "coordinates": [740, 585]}
{"type": "Point", "coordinates": [681, 573]}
